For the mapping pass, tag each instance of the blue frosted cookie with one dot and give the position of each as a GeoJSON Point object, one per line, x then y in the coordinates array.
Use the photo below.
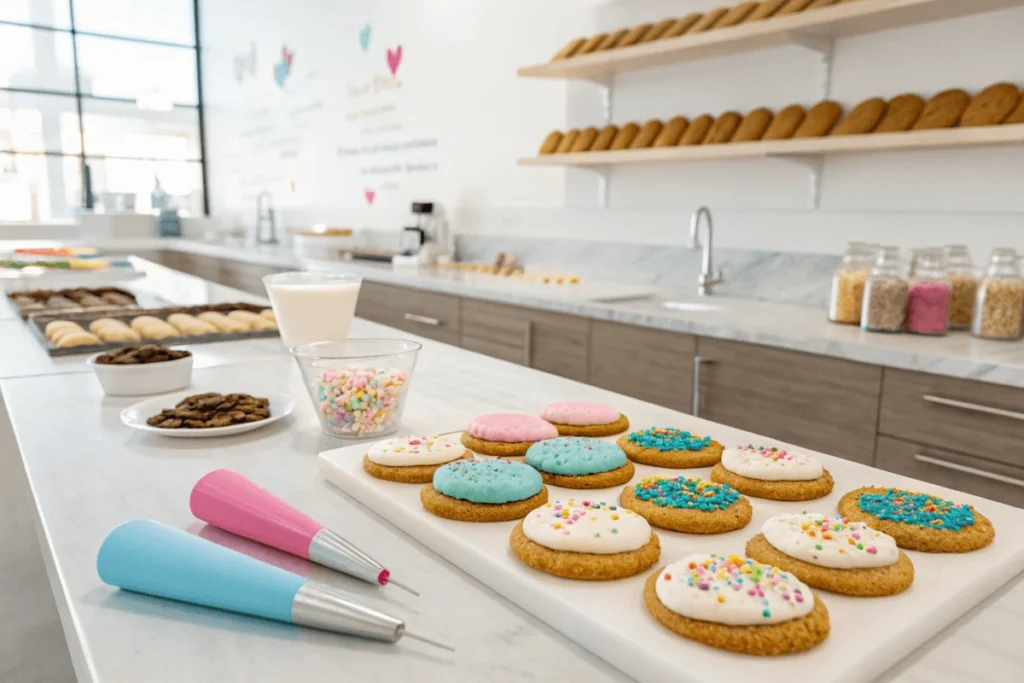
{"type": "Point", "coordinates": [484, 491]}
{"type": "Point", "coordinates": [576, 462]}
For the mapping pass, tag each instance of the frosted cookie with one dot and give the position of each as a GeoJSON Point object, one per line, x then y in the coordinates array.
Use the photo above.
{"type": "Point", "coordinates": [412, 459]}
{"type": "Point", "coordinates": [578, 462]}
{"type": "Point", "coordinates": [585, 418]}
{"type": "Point", "coordinates": [919, 521]}
{"type": "Point", "coordinates": [694, 506]}
{"type": "Point", "coordinates": [737, 604]}
{"type": "Point", "coordinates": [506, 434]}
{"type": "Point", "coordinates": [773, 473]}
{"type": "Point", "coordinates": [585, 540]}
{"type": "Point", "coordinates": [833, 554]}
{"type": "Point", "coordinates": [670, 447]}
{"type": "Point", "coordinates": [484, 491]}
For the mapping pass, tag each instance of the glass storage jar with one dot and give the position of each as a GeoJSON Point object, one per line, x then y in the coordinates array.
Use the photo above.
{"type": "Point", "coordinates": [928, 298]}
{"type": "Point", "coordinates": [999, 304]}
{"type": "Point", "coordinates": [963, 286]}
{"type": "Point", "coordinates": [847, 294]}
{"type": "Point", "coordinates": [885, 294]}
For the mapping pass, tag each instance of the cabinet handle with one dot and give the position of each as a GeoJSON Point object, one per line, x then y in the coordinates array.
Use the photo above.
{"type": "Point", "coordinates": [984, 474]}
{"type": "Point", "coordinates": [527, 342]}
{"type": "Point", "coordinates": [698, 362]}
{"type": "Point", "coordinates": [412, 317]}
{"type": "Point", "coordinates": [976, 407]}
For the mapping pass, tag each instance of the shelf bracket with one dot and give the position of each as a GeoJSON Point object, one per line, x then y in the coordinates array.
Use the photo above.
{"type": "Point", "coordinates": [815, 163]}
{"type": "Point", "coordinates": [823, 48]}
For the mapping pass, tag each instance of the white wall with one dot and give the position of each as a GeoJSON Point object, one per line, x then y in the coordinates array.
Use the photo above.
{"type": "Point", "coordinates": [458, 86]}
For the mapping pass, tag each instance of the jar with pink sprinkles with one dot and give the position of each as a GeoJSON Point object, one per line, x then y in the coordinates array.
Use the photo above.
{"type": "Point", "coordinates": [928, 299]}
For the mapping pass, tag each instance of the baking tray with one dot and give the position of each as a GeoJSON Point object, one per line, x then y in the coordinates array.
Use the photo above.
{"type": "Point", "coordinates": [25, 315]}
{"type": "Point", "coordinates": [609, 618]}
{"type": "Point", "coordinates": [38, 326]}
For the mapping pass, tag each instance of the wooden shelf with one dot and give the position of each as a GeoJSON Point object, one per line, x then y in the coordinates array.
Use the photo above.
{"type": "Point", "coordinates": [807, 147]}
{"type": "Point", "coordinates": [813, 28]}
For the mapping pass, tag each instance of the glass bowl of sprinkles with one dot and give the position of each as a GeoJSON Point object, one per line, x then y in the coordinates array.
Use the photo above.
{"type": "Point", "coordinates": [358, 386]}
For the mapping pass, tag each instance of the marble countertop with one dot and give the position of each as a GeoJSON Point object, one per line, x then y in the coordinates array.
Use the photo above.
{"type": "Point", "coordinates": [798, 328]}
{"type": "Point", "coordinates": [87, 462]}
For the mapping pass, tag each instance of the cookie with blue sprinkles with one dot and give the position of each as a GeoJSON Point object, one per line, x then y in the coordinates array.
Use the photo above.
{"type": "Point", "coordinates": [919, 521]}
{"type": "Point", "coordinates": [690, 505]}
{"type": "Point", "coordinates": [670, 447]}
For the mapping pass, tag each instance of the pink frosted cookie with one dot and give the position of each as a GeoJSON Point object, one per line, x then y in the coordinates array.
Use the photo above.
{"type": "Point", "coordinates": [507, 435]}
{"type": "Point", "coordinates": [585, 418]}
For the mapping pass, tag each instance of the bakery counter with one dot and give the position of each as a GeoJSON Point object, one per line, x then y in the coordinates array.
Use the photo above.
{"type": "Point", "coordinates": [78, 457]}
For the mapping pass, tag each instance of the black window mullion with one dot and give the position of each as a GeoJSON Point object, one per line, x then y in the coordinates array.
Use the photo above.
{"type": "Point", "coordinates": [200, 111]}
{"type": "Point", "coordinates": [87, 202]}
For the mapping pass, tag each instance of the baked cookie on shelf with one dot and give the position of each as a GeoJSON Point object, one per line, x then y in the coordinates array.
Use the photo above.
{"type": "Point", "coordinates": [773, 473]}
{"type": "Point", "coordinates": [943, 110]}
{"type": "Point", "coordinates": [484, 491]}
{"type": "Point", "coordinates": [693, 506]}
{"type": "Point", "coordinates": [833, 554]}
{"type": "Point", "coordinates": [670, 447]}
{"type": "Point", "coordinates": [579, 462]}
{"type": "Point", "coordinates": [919, 521]}
{"type": "Point", "coordinates": [586, 540]}
{"type": "Point", "coordinates": [901, 113]}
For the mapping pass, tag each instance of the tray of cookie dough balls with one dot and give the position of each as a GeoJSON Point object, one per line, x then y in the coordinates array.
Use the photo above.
{"type": "Point", "coordinates": [678, 549]}
{"type": "Point", "coordinates": [89, 332]}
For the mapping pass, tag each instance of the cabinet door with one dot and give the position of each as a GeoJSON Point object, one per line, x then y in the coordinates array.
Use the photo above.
{"type": "Point", "coordinates": [953, 470]}
{"type": "Point", "coordinates": [427, 314]}
{"type": "Point", "coordinates": [820, 403]}
{"type": "Point", "coordinates": [546, 341]}
{"type": "Point", "coordinates": [651, 365]}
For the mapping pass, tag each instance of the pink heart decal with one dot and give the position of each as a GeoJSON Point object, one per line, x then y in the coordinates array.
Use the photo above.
{"type": "Point", "coordinates": [370, 196]}
{"type": "Point", "coordinates": [394, 59]}
{"type": "Point", "coordinates": [287, 56]}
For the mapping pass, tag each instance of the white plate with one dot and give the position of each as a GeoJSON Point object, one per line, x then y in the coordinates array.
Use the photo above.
{"type": "Point", "coordinates": [281, 405]}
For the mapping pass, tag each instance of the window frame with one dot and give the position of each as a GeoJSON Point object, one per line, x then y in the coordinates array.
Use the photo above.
{"type": "Point", "coordinates": [83, 157]}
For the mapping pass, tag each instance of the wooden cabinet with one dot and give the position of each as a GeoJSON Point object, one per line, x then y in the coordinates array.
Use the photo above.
{"type": "Point", "coordinates": [427, 314]}
{"type": "Point", "coordinates": [820, 403]}
{"type": "Point", "coordinates": [976, 418]}
{"type": "Point", "coordinates": [547, 341]}
{"type": "Point", "coordinates": [652, 365]}
{"type": "Point", "coordinates": [958, 471]}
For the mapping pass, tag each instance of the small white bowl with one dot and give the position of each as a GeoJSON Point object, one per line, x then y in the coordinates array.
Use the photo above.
{"type": "Point", "coordinates": [144, 379]}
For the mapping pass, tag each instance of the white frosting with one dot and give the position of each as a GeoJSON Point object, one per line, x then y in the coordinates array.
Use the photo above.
{"type": "Point", "coordinates": [830, 541]}
{"type": "Point", "coordinates": [769, 464]}
{"type": "Point", "coordinates": [416, 450]}
{"type": "Point", "coordinates": [585, 526]}
{"type": "Point", "coordinates": [723, 590]}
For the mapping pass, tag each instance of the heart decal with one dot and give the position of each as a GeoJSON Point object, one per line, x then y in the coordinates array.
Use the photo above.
{"type": "Point", "coordinates": [287, 56]}
{"type": "Point", "coordinates": [370, 196]}
{"type": "Point", "coordinates": [394, 59]}
{"type": "Point", "coordinates": [364, 38]}
{"type": "Point", "coordinates": [280, 73]}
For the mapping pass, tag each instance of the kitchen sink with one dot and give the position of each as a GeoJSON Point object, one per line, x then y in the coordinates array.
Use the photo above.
{"type": "Point", "coordinates": [691, 306]}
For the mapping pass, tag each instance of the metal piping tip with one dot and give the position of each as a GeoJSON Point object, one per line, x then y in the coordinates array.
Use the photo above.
{"type": "Point", "coordinates": [392, 582]}
{"type": "Point", "coordinates": [428, 641]}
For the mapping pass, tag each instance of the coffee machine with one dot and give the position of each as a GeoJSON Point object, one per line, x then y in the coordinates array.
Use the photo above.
{"type": "Point", "coordinates": [425, 242]}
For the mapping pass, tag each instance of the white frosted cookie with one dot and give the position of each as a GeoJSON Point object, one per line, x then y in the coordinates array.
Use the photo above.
{"type": "Point", "coordinates": [733, 591]}
{"type": "Point", "coordinates": [830, 541]}
{"type": "Point", "coordinates": [587, 527]}
{"type": "Point", "coordinates": [771, 464]}
{"type": "Point", "coordinates": [411, 451]}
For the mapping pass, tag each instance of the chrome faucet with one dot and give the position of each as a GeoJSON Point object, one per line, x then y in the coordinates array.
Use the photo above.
{"type": "Point", "coordinates": [265, 218]}
{"type": "Point", "coordinates": [708, 275]}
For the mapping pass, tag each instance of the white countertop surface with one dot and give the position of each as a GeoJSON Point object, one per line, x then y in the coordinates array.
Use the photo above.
{"type": "Point", "coordinates": [788, 326]}
{"type": "Point", "coordinates": [88, 473]}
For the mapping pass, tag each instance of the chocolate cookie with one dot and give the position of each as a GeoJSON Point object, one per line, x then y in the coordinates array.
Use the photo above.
{"type": "Point", "coordinates": [901, 114]}
{"type": "Point", "coordinates": [820, 120]}
{"type": "Point", "coordinates": [683, 24]}
{"type": "Point", "coordinates": [585, 140]}
{"type": "Point", "coordinates": [568, 140]}
{"type": "Point", "coordinates": [570, 48]}
{"type": "Point", "coordinates": [724, 128]}
{"type": "Point", "coordinates": [991, 106]}
{"type": "Point", "coordinates": [604, 138]}
{"type": "Point", "coordinates": [736, 15]}
{"type": "Point", "coordinates": [672, 132]}
{"type": "Point", "coordinates": [624, 138]}
{"type": "Point", "coordinates": [708, 21]}
{"type": "Point", "coordinates": [943, 111]}
{"type": "Point", "coordinates": [863, 119]}
{"type": "Point", "coordinates": [551, 142]}
{"type": "Point", "coordinates": [647, 134]}
{"type": "Point", "coordinates": [753, 126]}
{"type": "Point", "coordinates": [698, 130]}
{"type": "Point", "coordinates": [785, 123]}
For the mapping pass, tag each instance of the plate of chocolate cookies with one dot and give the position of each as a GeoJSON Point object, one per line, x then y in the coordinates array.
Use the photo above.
{"type": "Point", "coordinates": [207, 414]}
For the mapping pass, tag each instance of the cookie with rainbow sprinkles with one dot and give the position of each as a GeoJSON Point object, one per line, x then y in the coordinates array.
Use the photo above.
{"type": "Point", "coordinates": [737, 604]}
{"type": "Point", "coordinates": [579, 462]}
{"type": "Point", "coordinates": [773, 473]}
{"type": "Point", "coordinates": [670, 447]}
{"type": "Point", "coordinates": [412, 459]}
{"type": "Point", "coordinates": [586, 540]}
{"type": "Point", "coordinates": [691, 505]}
{"type": "Point", "coordinates": [484, 491]}
{"type": "Point", "coordinates": [919, 521]}
{"type": "Point", "coordinates": [834, 554]}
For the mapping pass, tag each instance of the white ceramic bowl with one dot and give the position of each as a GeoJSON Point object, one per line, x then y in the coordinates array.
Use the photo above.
{"type": "Point", "coordinates": [145, 379]}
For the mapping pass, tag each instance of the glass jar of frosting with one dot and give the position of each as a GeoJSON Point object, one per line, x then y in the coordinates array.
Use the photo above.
{"type": "Point", "coordinates": [963, 286]}
{"type": "Point", "coordinates": [885, 294]}
{"type": "Point", "coordinates": [999, 303]}
{"type": "Point", "coordinates": [928, 296]}
{"type": "Point", "coordinates": [847, 294]}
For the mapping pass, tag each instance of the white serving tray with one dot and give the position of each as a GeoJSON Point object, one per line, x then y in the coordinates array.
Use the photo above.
{"type": "Point", "coordinates": [868, 637]}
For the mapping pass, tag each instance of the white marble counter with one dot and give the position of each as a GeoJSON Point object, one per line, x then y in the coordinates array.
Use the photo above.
{"type": "Point", "coordinates": [88, 473]}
